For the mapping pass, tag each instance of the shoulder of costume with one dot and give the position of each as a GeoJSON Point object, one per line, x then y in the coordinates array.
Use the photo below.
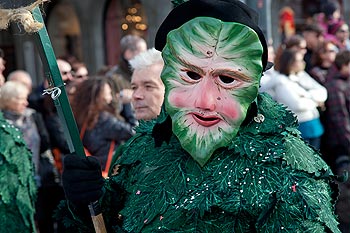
{"type": "Point", "coordinates": [272, 137]}
{"type": "Point", "coordinates": [16, 164]}
{"type": "Point", "coordinates": [9, 133]}
{"type": "Point", "coordinates": [150, 136]}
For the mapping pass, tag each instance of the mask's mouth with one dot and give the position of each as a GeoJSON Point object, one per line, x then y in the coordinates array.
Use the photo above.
{"type": "Point", "coordinates": [206, 121]}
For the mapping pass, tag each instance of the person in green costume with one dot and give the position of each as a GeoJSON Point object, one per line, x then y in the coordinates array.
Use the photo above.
{"type": "Point", "coordinates": [220, 157]}
{"type": "Point", "coordinates": [17, 185]}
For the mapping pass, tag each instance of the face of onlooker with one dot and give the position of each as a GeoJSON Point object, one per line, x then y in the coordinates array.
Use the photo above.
{"type": "Point", "coordinates": [271, 54]}
{"type": "Point", "coordinates": [312, 39]}
{"type": "Point", "coordinates": [148, 92]}
{"type": "Point", "coordinates": [18, 102]}
{"type": "Point", "coordinates": [299, 63]}
{"type": "Point", "coordinates": [345, 70]}
{"type": "Point", "coordinates": [141, 46]}
{"type": "Point", "coordinates": [81, 73]}
{"type": "Point", "coordinates": [2, 80]}
{"type": "Point", "coordinates": [106, 94]}
{"type": "Point", "coordinates": [2, 65]}
{"type": "Point", "coordinates": [342, 33]}
{"type": "Point", "coordinates": [22, 77]}
{"type": "Point", "coordinates": [328, 56]}
{"type": "Point", "coordinates": [2, 68]}
{"type": "Point", "coordinates": [66, 71]}
{"type": "Point", "coordinates": [301, 47]}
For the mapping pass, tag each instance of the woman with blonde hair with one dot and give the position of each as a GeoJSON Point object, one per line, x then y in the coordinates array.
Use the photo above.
{"type": "Point", "coordinates": [17, 185]}
{"type": "Point", "coordinates": [14, 106]}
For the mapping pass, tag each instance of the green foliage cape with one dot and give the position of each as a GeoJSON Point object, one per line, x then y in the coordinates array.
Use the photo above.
{"type": "Point", "coordinates": [266, 180]}
{"type": "Point", "coordinates": [17, 186]}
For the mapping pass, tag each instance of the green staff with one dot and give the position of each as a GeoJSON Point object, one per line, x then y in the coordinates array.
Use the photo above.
{"type": "Point", "coordinates": [59, 95]}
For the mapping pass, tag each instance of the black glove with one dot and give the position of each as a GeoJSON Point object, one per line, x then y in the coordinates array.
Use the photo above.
{"type": "Point", "coordinates": [82, 179]}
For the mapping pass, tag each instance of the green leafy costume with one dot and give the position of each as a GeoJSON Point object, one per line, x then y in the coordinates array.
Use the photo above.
{"type": "Point", "coordinates": [18, 190]}
{"type": "Point", "coordinates": [266, 180]}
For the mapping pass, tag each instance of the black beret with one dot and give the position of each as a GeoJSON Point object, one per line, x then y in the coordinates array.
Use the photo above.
{"type": "Point", "coordinates": [224, 10]}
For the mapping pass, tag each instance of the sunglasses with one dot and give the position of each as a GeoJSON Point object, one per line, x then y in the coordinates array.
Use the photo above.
{"type": "Point", "coordinates": [80, 76]}
{"type": "Point", "coordinates": [66, 72]}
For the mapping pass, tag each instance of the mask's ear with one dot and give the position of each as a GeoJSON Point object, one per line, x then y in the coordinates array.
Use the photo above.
{"type": "Point", "coordinates": [269, 65]}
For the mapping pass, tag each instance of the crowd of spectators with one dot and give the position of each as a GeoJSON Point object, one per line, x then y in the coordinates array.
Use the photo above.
{"type": "Point", "coordinates": [311, 77]}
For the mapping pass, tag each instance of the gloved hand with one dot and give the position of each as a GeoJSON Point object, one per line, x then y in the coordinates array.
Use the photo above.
{"type": "Point", "coordinates": [82, 179]}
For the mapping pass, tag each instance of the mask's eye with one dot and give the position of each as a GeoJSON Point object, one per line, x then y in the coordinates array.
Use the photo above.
{"type": "Point", "coordinates": [228, 82]}
{"type": "Point", "coordinates": [226, 79]}
{"type": "Point", "coordinates": [193, 75]}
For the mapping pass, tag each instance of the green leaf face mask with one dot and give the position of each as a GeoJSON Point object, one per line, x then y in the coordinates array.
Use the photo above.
{"type": "Point", "coordinates": [211, 74]}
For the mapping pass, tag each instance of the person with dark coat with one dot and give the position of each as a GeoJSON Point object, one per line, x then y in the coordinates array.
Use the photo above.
{"type": "Point", "coordinates": [336, 147]}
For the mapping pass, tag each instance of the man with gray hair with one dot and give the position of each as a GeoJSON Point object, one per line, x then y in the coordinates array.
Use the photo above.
{"type": "Point", "coordinates": [148, 88]}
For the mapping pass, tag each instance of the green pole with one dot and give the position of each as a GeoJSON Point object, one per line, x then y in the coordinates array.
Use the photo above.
{"type": "Point", "coordinates": [60, 98]}
{"type": "Point", "coordinates": [57, 89]}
